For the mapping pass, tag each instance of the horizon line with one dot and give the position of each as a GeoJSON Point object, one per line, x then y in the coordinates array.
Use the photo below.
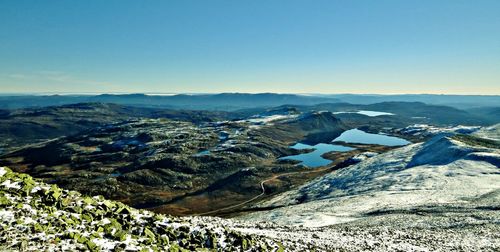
{"type": "Point", "coordinates": [215, 93]}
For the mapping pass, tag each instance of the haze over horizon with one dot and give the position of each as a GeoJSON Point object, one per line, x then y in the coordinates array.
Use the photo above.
{"type": "Point", "coordinates": [216, 93]}
{"type": "Point", "coordinates": [321, 47]}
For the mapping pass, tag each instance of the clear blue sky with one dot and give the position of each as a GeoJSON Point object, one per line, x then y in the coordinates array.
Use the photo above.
{"type": "Point", "coordinates": [404, 46]}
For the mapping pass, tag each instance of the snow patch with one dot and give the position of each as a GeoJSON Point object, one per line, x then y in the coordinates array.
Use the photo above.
{"type": "Point", "coordinates": [11, 185]}
{"type": "Point", "coordinates": [2, 171]}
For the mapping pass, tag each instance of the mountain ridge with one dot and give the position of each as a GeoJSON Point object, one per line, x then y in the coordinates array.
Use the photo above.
{"type": "Point", "coordinates": [248, 100]}
{"type": "Point", "coordinates": [445, 169]}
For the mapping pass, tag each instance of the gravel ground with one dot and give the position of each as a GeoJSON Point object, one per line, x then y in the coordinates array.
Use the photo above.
{"type": "Point", "coordinates": [449, 228]}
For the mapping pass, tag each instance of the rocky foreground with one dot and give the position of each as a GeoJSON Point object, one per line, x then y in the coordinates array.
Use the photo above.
{"type": "Point", "coordinates": [450, 228]}
{"type": "Point", "coordinates": [35, 216]}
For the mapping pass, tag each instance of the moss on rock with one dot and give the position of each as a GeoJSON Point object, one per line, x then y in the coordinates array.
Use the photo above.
{"type": "Point", "coordinates": [38, 216]}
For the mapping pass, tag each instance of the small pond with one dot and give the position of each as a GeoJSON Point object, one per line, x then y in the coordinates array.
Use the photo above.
{"type": "Point", "coordinates": [314, 159]}
{"type": "Point", "coordinates": [115, 174]}
{"type": "Point", "coordinates": [359, 136]}
{"type": "Point", "coordinates": [202, 153]}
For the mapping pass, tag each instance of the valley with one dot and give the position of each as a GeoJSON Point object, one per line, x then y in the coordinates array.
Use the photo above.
{"type": "Point", "coordinates": [300, 173]}
{"type": "Point", "coordinates": [185, 167]}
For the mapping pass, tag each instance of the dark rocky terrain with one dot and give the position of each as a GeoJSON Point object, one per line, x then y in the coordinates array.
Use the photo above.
{"type": "Point", "coordinates": [149, 163]}
{"type": "Point", "coordinates": [27, 126]}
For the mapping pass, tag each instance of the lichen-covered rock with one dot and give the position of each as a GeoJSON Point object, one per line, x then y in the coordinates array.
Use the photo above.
{"type": "Point", "coordinates": [35, 216]}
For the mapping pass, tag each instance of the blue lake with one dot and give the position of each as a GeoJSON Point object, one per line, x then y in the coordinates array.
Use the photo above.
{"type": "Point", "coordinates": [367, 113]}
{"type": "Point", "coordinates": [373, 113]}
{"type": "Point", "coordinates": [359, 136]}
{"type": "Point", "coordinates": [314, 159]}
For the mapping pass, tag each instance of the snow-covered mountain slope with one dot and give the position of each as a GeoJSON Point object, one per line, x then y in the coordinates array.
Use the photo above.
{"type": "Point", "coordinates": [491, 132]}
{"type": "Point", "coordinates": [443, 172]}
{"type": "Point", "coordinates": [430, 130]}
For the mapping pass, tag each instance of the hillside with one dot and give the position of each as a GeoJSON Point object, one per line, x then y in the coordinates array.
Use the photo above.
{"type": "Point", "coordinates": [35, 216]}
{"type": "Point", "coordinates": [430, 193]}
{"type": "Point", "coordinates": [309, 127]}
{"type": "Point", "coordinates": [442, 194]}
{"type": "Point", "coordinates": [458, 101]}
{"type": "Point", "coordinates": [155, 163]}
{"type": "Point", "coordinates": [492, 132]}
{"type": "Point", "coordinates": [406, 113]}
{"type": "Point", "coordinates": [31, 125]}
{"type": "Point", "coordinates": [493, 112]}
{"type": "Point", "coordinates": [23, 126]}
{"type": "Point", "coordinates": [442, 170]}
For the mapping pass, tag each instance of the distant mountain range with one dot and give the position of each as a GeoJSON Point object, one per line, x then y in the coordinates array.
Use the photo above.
{"type": "Point", "coordinates": [29, 125]}
{"type": "Point", "coordinates": [458, 101]}
{"type": "Point", "coordinates": [224, 101]}
{"type": "Point", "coordinates": [235, 101]}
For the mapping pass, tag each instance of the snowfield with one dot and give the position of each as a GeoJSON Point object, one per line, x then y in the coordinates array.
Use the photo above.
{"type": "Point", "coordinates": [441, 171]}
{"type": "Point", "coordinates": [430, 130]}
{"type": "Point", "coordinates": [439, 195]}
{"type": "Point", "coordinates": [492, 132]}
